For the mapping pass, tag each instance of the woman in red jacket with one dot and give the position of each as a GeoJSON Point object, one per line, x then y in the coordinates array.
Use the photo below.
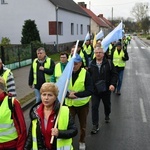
{"type": "Point", "coordinates": [12, 124]}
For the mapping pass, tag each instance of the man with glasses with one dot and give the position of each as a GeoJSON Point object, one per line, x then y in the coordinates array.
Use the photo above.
{"type": "Point", "coordinates": [104, 79]}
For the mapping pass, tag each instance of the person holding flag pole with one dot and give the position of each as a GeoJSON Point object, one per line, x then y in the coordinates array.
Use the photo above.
{"type": "Point", "coordinates": [52, 126]}
{"type": "Point", "coordinates": [78, 97]}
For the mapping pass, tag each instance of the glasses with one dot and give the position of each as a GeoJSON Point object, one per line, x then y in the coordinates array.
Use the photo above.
{"type": "Point", "coordinates": [99, 52]}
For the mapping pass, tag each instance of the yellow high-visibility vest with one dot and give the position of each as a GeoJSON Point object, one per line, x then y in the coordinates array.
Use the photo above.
{"type": "Point", "coordinates": [78, 87]}
{"type": "Point", "coordinates": [7, 129]}
{"type": "Point", "coordinates": [117, 58]}
{"type": "Point", "coordinates": [46, 65]}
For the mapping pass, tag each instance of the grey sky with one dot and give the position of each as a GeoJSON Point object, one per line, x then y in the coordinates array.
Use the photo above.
{"type": "Point", "coordinates": [121, 8]}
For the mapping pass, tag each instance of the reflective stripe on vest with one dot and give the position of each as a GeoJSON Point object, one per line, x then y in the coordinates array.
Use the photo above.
{"type": "Point", "coordinates": [58, 71]}
{"type": "Point", "coordinates": [78, 87]}
{"type": "Point", "coordinates": [5, 75]}
{"type": "Point", "coordinates": [64, 144]}
{"type": "Point", "coordinates": [117, 58]}
{"type": "Point", "coordinates": [34, 137]}
{"type": "Point", "coordinates": [7, 129]}
{"type": "Point", "coordinates": [46, 65]}
{"type": "Point", "coordinates": [88, 49]}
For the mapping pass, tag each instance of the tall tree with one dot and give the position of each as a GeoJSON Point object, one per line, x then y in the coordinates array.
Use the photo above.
{"type": "Point", "coordinates": [140, 11]}
{"type": "Point", "coordinates": [146, 24]}
{"type": "Point", "coordinates": [30, 32]}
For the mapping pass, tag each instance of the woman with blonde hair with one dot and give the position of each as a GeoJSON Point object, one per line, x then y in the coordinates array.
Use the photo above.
{"type": "Point", "coordinates": [43, 117]}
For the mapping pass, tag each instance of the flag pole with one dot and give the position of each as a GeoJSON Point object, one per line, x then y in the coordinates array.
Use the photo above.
{"type": "Point", "coordinates": [62, 101]}
{"type": "Point", "coordinates": [64, 94]}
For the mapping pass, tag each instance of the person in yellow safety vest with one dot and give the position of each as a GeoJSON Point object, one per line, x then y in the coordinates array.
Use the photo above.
{"type": "Point", "coordinates": [129, 39]}
{"type": "Point", "coordinates": [82, 54]}
{"type": "Point", "coordinates": [125, 43]}
{"type": "Point", "coordinates": [9, 78]}
{"type": "Point", "coordinates": [110, 48]}
{"type": "Point", "coordinates": [78, 97]}
{"type": "Point", "coordinates": [13, 131]}
{"type": "Point", "coordinates": [119, 57]}
{"type": "Point", "coordinates": [60, 66]}
{"type": "Point", "coordinates": [40, 72]}
{"type": "Point", "coordinates": [88, 48]}
{"type": "Point", "coordinates": [43, 116]}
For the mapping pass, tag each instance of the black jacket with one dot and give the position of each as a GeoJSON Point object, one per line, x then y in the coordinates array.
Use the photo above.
{"type": "Point", "coordinates": [107, 72]}
{"type": "Point", "coordinates": [70, 132]}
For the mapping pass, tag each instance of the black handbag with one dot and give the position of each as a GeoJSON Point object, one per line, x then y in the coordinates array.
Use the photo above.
{"type": "Point", "coordinates": [100, 86]}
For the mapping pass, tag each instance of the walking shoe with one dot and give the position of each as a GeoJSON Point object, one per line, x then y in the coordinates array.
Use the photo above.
{"type": "Point", "coordinates": [82, 146]}
{"type": "Point", "coordinates": [118, 93]}
{"type": "Point", "coordinates": [95, 129]}
{"type": "Point", "coordinates": [107, 119]}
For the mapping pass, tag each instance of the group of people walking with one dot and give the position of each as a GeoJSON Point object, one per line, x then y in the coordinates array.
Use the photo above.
{"type": "Point", "coordinates": [94, 77]}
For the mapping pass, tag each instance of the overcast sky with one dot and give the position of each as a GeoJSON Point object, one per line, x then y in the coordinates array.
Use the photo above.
{"type": "Point", "coordinates": [121, 8]}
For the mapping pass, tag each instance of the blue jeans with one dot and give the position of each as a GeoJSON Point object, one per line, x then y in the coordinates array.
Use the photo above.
{"type": "Point", "coordinates": [120, 78]}
{"type": "Point", "coordinates": [37, 95]}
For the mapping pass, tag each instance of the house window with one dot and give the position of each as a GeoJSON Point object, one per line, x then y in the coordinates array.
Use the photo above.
{"type": "Point", "coordinates": [77, 29]}
{"type": "Point", "coordinates": [3, 2]}
{"type": "Point", "coordinates": [53, 28]}
{"type": "Point", "coordinates": [81, 29]}
{"type": "Point", "coordinates": [72, 28]}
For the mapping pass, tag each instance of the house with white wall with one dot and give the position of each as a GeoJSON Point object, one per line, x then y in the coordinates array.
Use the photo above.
{"type": "Point", "coordinates": [58, 21]}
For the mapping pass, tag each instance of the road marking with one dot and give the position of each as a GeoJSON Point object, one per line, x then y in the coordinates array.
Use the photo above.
{"type": "Point", "coordinates": [142, 47]}
{"type": "Point", "coordinates": [136, 47]}
{"type": "Point", "coordinates": [142, 110]}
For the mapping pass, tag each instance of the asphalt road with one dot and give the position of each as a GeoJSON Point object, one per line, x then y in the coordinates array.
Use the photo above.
{"type": "Point", "coordinates": [129, 128]}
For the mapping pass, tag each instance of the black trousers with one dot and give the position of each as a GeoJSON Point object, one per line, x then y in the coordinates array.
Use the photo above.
{"type": "Point", "coordinates": [96, 98]}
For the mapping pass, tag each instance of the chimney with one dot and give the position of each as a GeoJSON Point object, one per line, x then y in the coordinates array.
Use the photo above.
{"type": "Point", "coordinates": [100, 15]}
{"type": "Point", "coordinates": [82, 4]}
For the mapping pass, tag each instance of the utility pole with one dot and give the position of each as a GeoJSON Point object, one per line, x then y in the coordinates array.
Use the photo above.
{"type": "Point", "coordinates": [112, 15]}
{"type": "Point", "coordinates": [90, 5]}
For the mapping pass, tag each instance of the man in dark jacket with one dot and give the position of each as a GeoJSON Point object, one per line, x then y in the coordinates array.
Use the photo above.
{"type": "Point", "coordinates": [41, 70]}
{"type": "Point", "coordinates": [102, 71]}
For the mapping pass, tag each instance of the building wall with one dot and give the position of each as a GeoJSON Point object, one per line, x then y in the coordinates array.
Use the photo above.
{"type": "Point", "coordinates": [95, 28]}
{"type": "Point", "coordinates": [13, 15]}
{"type": "Point", "coordinates": [67, 18]}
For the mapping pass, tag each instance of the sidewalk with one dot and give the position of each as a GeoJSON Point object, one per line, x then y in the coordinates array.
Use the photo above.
{"type": "Point", "coordinates": [21, 81]}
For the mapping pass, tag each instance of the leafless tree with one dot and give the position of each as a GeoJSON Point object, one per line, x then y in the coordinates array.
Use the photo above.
{"type": "Point", "coordinates": [140, 11]}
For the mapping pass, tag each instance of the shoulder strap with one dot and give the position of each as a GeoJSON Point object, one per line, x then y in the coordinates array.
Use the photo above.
{"type": "Point", "coordinates": [10, 104]}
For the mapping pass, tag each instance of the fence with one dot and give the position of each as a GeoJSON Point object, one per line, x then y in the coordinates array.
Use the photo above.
{"type": "Point", "coordinates": [17, 56]}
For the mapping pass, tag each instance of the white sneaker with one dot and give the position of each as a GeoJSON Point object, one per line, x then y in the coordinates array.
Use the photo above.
{"type": "Point", "coordinates": [81, 146]}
